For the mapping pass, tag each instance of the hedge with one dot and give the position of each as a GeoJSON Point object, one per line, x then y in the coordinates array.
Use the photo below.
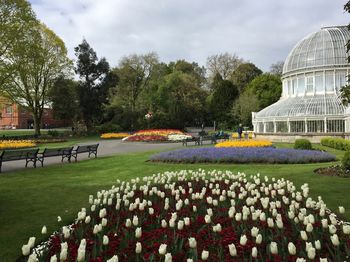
{"type": "Point", "coordinates": [337, 143]}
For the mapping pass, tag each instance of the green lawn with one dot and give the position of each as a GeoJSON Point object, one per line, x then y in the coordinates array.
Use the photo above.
{"type": "Point", "coordinates": [32, 198]}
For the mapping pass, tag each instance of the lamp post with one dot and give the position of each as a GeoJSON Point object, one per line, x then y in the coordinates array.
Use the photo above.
{"type": "Point", "coordinates": [148, 117]}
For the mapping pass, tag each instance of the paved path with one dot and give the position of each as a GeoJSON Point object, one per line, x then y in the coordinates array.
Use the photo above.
{"type": "Point", "coordinates": [106, 147]}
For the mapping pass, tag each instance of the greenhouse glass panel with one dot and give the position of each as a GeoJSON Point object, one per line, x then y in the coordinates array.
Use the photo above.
{"type": "Point", "coordinates": [260, 127]}
{"type": "Point", "coordinates": [319, 82]}
{"type": "Point", "coordinates": [335, 126]}
{"type": "Point", "coordinates": [297, 126]}
{"type": "Point", "coordinates": [315, 126]}
{"type": "Point", "coordinates": [309, 84]}
{"type": "Point", "coordinates": [329, 81]}
{"type": "Point", "coordinates": [340, 79]}
{"type": "Point", "coordinates": [281, 127]}
{"type": "Point", "coordinates": [301, 85]}
{"type": "Point", "coordinates": [269, 127]}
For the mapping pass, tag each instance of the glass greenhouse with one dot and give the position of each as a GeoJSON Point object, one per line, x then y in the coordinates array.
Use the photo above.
{"type": "Point", "coordinates": [313, 74]}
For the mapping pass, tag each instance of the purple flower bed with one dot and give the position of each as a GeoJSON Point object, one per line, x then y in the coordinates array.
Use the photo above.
{"type": "Point", "coordinates": [243, 155]}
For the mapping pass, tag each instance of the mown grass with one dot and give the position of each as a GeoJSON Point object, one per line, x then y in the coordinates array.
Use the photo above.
{"type": "Point", "coordinates": [32, 198]}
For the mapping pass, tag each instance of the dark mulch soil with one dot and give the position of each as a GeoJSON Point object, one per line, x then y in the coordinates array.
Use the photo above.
{"type": "Point", "coordinates": [333, 171]}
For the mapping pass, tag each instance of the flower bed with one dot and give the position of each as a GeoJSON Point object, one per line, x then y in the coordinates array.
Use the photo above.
{"type": "Point", "coordinates": [201, 216]}
{"type": "Point", "coordinates": [152, 135]}
{"type": "Point", "coordinates": [245, 143]}
{"type": "Point", "coordinates": [12, 144]}
{"type": "Point", "coordinates": [243, 155]}
{"type": "Point", "coordinates": [49, 140]}
{"type": "Point", "coordinates": [114, 135]}
{"type": "Point", "coordinates": [146, 138]}
{"type": "Point", "coordinates": [250, 135]}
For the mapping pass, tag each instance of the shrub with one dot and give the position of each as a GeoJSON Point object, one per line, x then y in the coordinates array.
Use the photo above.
{"type": "Point", "coordinates": [53, 133]}
{"type": "Point", "coordinates": [346, 160]}
{"type": "Point", "coordinates": [108, 128]}
{"type": "Point", "coordinates": [302, 144]}
{"type": "Point", "coordinates": [337, 143]}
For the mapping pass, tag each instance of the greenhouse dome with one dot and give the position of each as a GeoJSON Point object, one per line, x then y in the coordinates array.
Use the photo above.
{"type": "Point", "coordinates": [313, 74]}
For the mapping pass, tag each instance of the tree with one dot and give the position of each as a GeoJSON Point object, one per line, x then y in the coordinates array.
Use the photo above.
{"type": "Point", "coordinates": [135, 73]}
{"type": "Point", "coordinates": [244, 74]}
{"type": "Point", "coordinates": [222, 99]}
{"type": "Point", "coordinates": [17, 22]}
{"type": "Point", "coordinates": [223, 64]}
{"type": "Point", "coordinates": [93, 85]}
{"type": "Point", "coordinates": [277, 68]}
{"type": "Point", "coordinates": [64, 98]}
{"type": "Point", "coordinates": [243, 108]}
{"type": "Point", "coordinates": [267, 88]}
{"type": "Point", "coordinates": [35, 66]}
{"type": "Point", "coordinates": [345, 90]}
{"type": "Point", "coordinates": [179, 101]}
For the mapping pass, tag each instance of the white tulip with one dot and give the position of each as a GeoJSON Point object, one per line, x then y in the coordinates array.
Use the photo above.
{"type": "Point", "coordinates": [87, 220]}
{"type": "Point", "coordinates": [292, 249]}
{"type": "Point", "coordinates": [324, 223]}
{"type": "Point", "coordinates": [258, 239]}
{"type": "Point", "coordinates": [138, 232]}
{"type": "Point", "coordinates": [151, 211]}
{"type": "Point", "coordinates": [162, 249]}
{"type": "Point", "coordinates": [105, 240]}
{"type": "Point", "coordinates": [168, 258]}
{"type": "Point", "coordinates": [31, 242]}
{"type": "Point", "coordinates": [128, 222]}
{"type": "Point", "coordinates": [192, 242]}
{"type": "Point", "coordinates": [335, 240]}
{"type": "Point", "coordinates": [303, 235]}
{"type": "Point", "coordinates": [309, 227]}
{"type": "Point", "coordinates": [53, 258]}
{"type": "Point", "coordinates": [104, 222]}
{"type": "Point", "coordinates": [138, 248]}
{"type": "Point", "coordinates": [210, 212]}
{"type": "Point", "coordinates": [164, 223]}
{"type": "Point", "coordinates": [341, 210]}
{"type": "Point", "coordinates": [64, 251]}
{"type": "Point", "coordinates": [332, 229]}
{"type": "Point", "coordinates": [135, 221]}
{"type": "Point", "coordinates": [172, 223]}
{"type": "Point", "coordinates": [187, 221]}
{"type": "Point", "coordinates": [311, 253]}
{"type": "Point", "coordinates": [113, 259]}
{"type": "Point", "coordinates": [274, 248]}
{"type": "Point", "coordinates": [44, 230]}
{"type": "Point", "coordinates": [205, 255]}
{"type": "Point", "coordinates": [318, 244]}
{"type": "Point", "coordinates": [81, 254]}
{"type": "Point", "coordinates": [207, 219]}
{"type": "Point", "coordinates": [26, 250]}
{"type": "Point", "coordinates": [346, 229]}
{"type": "Point", "coordinates": [32, 258]}
{"type": "Point", "coordinates": [254, 231]}
{"type": "Point", "coordinates": [232, 250]}
{"type": "Point", "coordinates": [59, 219]}
{"type": "Point", "coordinates": [300, 259]}
{"type": "Point", "coordinates": [254, 252]}
{"type": "Point", "coordinates": [180, 225]}
{"type": "Point", "coordinates": [238, 217]}
{"type": "Point", "coordinates": [323, 259]}
{"type": "Point", "coordinates": [243, 240]}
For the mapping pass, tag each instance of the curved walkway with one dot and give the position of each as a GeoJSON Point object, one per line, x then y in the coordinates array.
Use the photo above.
{"type": "Point", "coordinates": [106, 148]}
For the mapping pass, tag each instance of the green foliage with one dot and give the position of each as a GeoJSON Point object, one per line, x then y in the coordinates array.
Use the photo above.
{"type": "Point", "coordinates": [95, 81]}
{"type": "Point", "coordinates": [302, 144]}
{"type": "Point", "coordinates": [108, 127]}
{"type": "Point", "coordinates": [337, 143]}
{"type": "Point", "coordinates": [53, 133]}
{"type": "Point", "coordinates": [244, 106]}
{"type": "Point", "coordinates": [244, 74]}
{"type": "Point", "coordinates": [346, 160]}
{"type": "Point", "coordinates": [267, 88]}
{"type": "Point", "coordinates": [64, 98]}
{"type": "Point", "coordinates": [222, 99]}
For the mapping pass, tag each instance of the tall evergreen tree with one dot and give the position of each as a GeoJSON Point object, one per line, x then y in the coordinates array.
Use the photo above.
{"type": "Point", "coordinates": [93, 74]}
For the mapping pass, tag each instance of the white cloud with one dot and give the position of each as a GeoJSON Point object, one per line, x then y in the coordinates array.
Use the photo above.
{"type": "Point", "coordinates": [260, 31]}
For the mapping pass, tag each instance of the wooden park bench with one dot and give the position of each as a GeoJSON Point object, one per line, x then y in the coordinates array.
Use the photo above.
{"type": "Point", "coordinates": [91, 149]}
{"type": "Point", "coordinates": [50, 152]}
{"type": "Point", "coordinates": [29, 155]}
{"type": "Point", "coordinates": [198, 140]}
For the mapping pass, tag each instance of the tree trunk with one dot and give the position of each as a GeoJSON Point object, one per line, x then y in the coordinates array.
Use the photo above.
{"type": "Point", "coordinates": [37, 124]}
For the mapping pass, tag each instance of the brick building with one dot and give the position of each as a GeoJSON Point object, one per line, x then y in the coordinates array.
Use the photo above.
{"type": "Point", "coordinates": [13, 116]}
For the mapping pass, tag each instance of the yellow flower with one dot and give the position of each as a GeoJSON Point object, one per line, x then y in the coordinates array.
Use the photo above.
{"type": "Point", "coordinates": [114, 135]}
{"type": "Point", "coordinates": [7, 144]}
{"type": "Point", "coordinates": [245, 143]}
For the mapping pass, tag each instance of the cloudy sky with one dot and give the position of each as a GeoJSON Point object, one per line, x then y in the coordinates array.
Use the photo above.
{"type": "Point", "coordinates": [261, 31]}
